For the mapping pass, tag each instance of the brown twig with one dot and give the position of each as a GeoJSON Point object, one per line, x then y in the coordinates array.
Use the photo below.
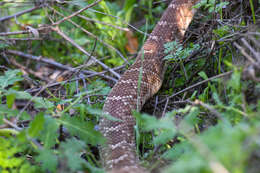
{"type": "Point", "coordinates": [56, 29]}
{"type": "Point", "coordinates": [78, 78]}
{"type": "Point", "coordinates": [23, 32]}
{"type": "Point", "coordinates": [26, 70]}
{"type": "Point", "coordinates": [78, 12]}
{"type": "Point", "coordinates": [92, 35]}
{"type": "Point", "coordinates": [2, 19]}
{"type": "Point", "coordinates": [56, 64]}
{"type": "Point", "coordinates": [197, 84]}
{"type": "Point", "coordinates": [23, 39]}
{"type": "Point", "coordinates": [243, 51]}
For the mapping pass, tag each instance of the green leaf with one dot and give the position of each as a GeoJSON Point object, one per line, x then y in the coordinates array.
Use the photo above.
{"type": "Point", "coordinates": [4, 110]}
{"type": "Point", "coordinates": [203, 75]}
{"type": "Point", "coordinates": [42, 103]}
{"type": "Point", "coordinates": [85, 130]}
{"type": "Point", "coordinates": [73, 154]}
{"type": "Point", "coordinates": [192, 118]}
{"type": "Point", "coordinates": [36, 125]}
{"type": "Point", "coordinates": [19, 94]}
{"type": "Point", "coordinates": [50, 132]}
{"type": "Point", "coordinates": [100, 113]}
{"type": "Point", "coordinates": [128, 8]}
{"type": "Point", "coordinates": [10, 100]}
{"type": "Point", "coordinates": [47, 159]}
{"type": "Point", "coordinates": [234, 82]}
{"type": "Point", "coordinates": [10, 77]}
{"type": "Point", "coordinates": [164, 137]}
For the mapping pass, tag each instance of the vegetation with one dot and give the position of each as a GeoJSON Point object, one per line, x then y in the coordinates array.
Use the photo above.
{"type": "Point", "coordinates": [57, 66]}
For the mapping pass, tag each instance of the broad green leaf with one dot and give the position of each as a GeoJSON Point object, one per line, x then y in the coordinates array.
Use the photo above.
{"type": "Point", "coordinates": [164, 136]}
{"type": "Point", "coordinates": [72, 149]}
{"type": "Point", "coordinates": [85, 130]}
{"type": "Point", "coordinates": [50, 132]}
{"type": "Point", "coordinates": [9, 78]}
{"type": "Point", "coordinates": [36, 126]}
{"type": "Point", "coordinates": [47, 159]}
{"type": "Point", "coordinates": [18, 94]}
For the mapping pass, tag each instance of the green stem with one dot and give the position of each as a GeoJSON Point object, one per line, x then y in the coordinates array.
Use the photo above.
{"type": "Point", "coordinates": [253, 10]}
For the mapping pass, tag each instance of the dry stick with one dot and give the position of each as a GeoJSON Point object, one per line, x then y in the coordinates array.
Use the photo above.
{"type": "Point", "coordinates": [22, 32]}
{"type": "Point", "coordinates": [14, 33]}
{"type": "Point", "coordinates": [23, 68]}
{"type": "Point", "coordinates": [76, 13]}
{"type": "Point", "coordinates": [20, 13]}
{"type": "Point", "coordinates": [56, 64]}
{"type": "Point", "coordinates": [197, 84]}
{"type": "Point", "coordinates": [12, 124]}
{"type": "Point", "coordinates": [92, 35]}
{"type": "Point", "coordinates": [243, 51]}
{"type": "Point", "coordinates": [56, 29]}
{"type": "Point", "coordinates": [75, 79]}
{"type": "Point", "coordinates": [23, 39]}
{"type": "Point", "coordinates": [257, 55]}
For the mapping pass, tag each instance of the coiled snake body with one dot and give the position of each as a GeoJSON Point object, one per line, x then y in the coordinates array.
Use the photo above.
{"type": "Point", "coordinates": [120, 153]}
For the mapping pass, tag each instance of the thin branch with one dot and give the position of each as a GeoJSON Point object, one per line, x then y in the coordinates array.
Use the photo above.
{"type": "Point", "coordinates": [23, 39]}
{"type": "Point", "coordinates": [101, 74]}
{"type": "Point", "coordinates": [12, 124]}
{"type": "Point", "coordinates": [56, 29]}
{"type": "Point", "coordinates": [24, 32]}
{"type": "Point", "coordinates": [2, 19]}
{"type": "Point", "coordinates": [56, 64]}
{"type": "Point", "coordinates": [243, 51]}
{"type": "Point", "coordinates": [257, 55]}
{"type": "Point", "coordinates": [78, 12]}
{"type": "Point", "coordinates": [92, 35]}
{"type": "Point", "coordinates": [14, 33]}
{"type": "Point", "coordinates": [26, 70]}
{"type": "Point", "coordinates": [128, 24]}
{"type": "Point", "coordinates": [197, 84]}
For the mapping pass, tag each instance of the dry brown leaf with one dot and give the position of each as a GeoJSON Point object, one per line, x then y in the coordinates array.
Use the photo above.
{"type": "Point", "coordinates": [132, 42]}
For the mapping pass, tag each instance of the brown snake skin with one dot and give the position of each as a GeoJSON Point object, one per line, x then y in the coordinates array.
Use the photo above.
{"type": "Point", "coordinates": [119, 156]}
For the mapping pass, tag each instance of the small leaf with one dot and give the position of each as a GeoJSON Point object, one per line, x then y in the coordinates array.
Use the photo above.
{"type": "Point", "coordinates": [101, 114]}
{"type": "Point", "coordinates": [203, 75]}
{"type": "Point", "coordinates": [10, 100]}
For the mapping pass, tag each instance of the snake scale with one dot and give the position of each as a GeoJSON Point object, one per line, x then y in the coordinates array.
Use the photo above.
{"type": "Point", "coordinates": [119, 155]}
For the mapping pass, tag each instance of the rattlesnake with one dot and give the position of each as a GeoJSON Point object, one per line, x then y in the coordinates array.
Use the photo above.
{"type": "Point", "coordinates": [120, 153]}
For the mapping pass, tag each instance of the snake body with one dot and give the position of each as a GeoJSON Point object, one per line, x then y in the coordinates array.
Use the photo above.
{"type": "Point", "coordinates": [119, 155]}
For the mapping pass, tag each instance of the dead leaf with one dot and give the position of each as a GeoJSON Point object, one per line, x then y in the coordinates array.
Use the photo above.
{"type": "Point", "coordinates": [132, 42]}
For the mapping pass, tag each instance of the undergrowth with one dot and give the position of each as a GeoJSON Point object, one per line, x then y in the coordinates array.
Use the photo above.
{"type": "Point", "coordinates": [208, 107]}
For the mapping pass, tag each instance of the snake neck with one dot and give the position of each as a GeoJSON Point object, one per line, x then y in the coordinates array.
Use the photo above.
{"type": "Point", "coordinates": [119, 155]}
